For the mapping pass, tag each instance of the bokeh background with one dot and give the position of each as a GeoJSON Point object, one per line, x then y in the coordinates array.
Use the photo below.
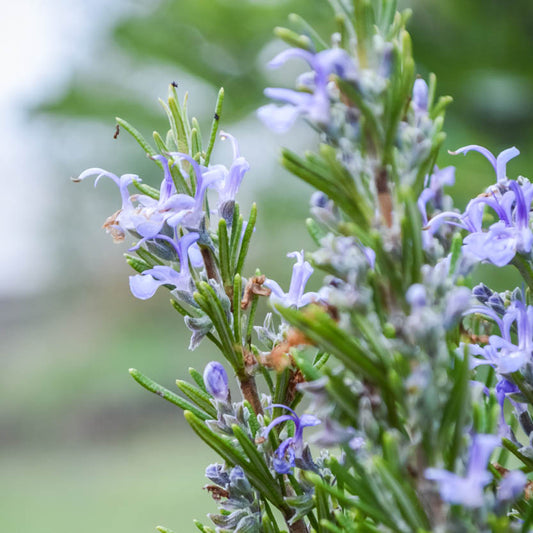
{"type": "Point", "coordinates": [82, 447]}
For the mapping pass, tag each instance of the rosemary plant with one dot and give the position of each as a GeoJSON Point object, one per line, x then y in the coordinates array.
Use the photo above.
{"type": "Point", "coordinates": [418, 386]}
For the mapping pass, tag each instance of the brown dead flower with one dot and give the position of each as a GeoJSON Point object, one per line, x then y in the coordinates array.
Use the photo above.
{"type": "Point", "coordinates": [254, 286]}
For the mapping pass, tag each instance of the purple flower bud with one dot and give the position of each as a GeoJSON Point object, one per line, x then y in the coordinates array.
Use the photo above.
{"type": "Point", "coordinates": [319, 199]}
{"type": "Point", "coordinates": [420, 95]}
{"type": "Point", "coordinates": [496, 303]}
{"type": "Point", "coordinates": [216, 381]}
{"type": "Point", "coordinates": [416, 296]}
{"type": "Point", "coordinates": [236, 474]}
{"type": "Point", "coordinates": [217, 475]}
{"type": "Point", "coordinates": [356, 443]}
{"type": "Point", "coordinates": [482, 293]}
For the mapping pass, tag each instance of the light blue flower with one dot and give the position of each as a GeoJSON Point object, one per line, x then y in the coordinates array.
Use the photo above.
{"type": "Point", "coordinates": [301, 272]}
{"type": "Point", "coordinates": [144, 286]}
{"type": "Point", "coordinates": [313, 102]}
{"type": "Point", "coordinates": [123, 220]}
{"type": "Point", "coordinates": [499, 163]}
{"type": "Point", "coordinates": [433, 192]}
{"type": "Point", "coordinates": [186, 210]}
{"type": "Point", "coordinates": [467, 490]}
{"type": "Point", "coordinates": [510, 200]}
{"type": "Point", "coordinates": [505, 389]}
{"type": "Point", "coordinates": [146, 216]}
{"type": "Point", "coordinates": [229, 185]}
{"type": "Point", "coordinates": [152, 214]}
{"type": "Point", "coordinates": [504, 355]}
{"type": "Point", "coordinates": [511, 486]}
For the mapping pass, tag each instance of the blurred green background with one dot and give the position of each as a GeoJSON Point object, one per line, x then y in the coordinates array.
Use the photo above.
{"type": "Point", "coordinates": [82, 447]}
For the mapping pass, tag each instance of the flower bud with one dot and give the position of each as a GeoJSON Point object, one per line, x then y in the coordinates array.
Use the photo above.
{"type": "Point", "coordinates": [420, 95]}
{"type": "Point", "coordinates": [216, 381]}
{"type": "Point", "coordinates": [482, 292]}
{"type": "Point", "coordinates": [496, 303]}
{"type": "Point", "coordinates": [416, 296]}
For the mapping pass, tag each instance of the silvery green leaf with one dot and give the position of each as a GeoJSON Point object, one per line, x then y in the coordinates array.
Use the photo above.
{"type": "Point", "coordinates": [229, 521]}
{"type": "Point", "coordinates": [249, 524]}
{"type": "Point", "coordinates": [200, 327]}
{"type": "Point", "coordinates": [301, 504]}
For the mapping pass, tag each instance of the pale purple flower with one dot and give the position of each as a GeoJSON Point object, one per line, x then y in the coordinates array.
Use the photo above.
{"type": "Point", "coordinates": [511, 234]}
{"type": "Point", "coordinates": [467, 490]}
{"type": "Point", "coordinates": [444, 177]}
{"type": "Point", "coordinates": [147, 216]}
{"type": "Point", "coordinates": [370, 256]}
{"type": "Point", "coordinates": [498, 163]}
{"type": "Point", "coordinates": [216, 381]}
{"type": "Point", "coordinates": [144, 286]}
{"type": "Point", "coordinates": [504, 390]}
{"type": "Point", "coordinates": [228, 187]}
{"type": "Point", "coordinates": [167, 185]}
{"type": "Point", "coordinates": [121, 222]}
{"type": "Point", "coordinates": [151, 215]}
{"type": "Point", "coordinates": [291, 448]}
{"type": "Point", "coordinates": [189, 211]}
{"type": "Point", "coordinates": [510, 200]}
{"type": "Point", "coordinates": [511, 486]}
{"type": "Point", "coordinates": [175, 209]}
{"type": "Point", "coordinates": [501, 352]}
{"type": "Point", "coordinates": [301, 272]}
{"type": "Point", "coordinates": [314, 104]}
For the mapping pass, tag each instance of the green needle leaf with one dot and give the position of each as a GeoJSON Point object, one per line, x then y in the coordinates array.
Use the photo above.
{"type": "Point", "coordinates": [154, 387]}
{"type": "Point", "coordinates": [230, 453]}
{"type": "Point", "coordinates": [222, 445]}
{"type": "Point", "coordinates": [224, 252]}
{"type": "Point", "coordinates": [199, 397]}
{"type": "Point", "coordinates": [214, 126]}
{"type": "Point", "coordinates": [146, 189]}
{"type": "Point", "coordinates": [294, 39]}
{"type": "Point", "coordinates": [258, 463]}
{"type": "Point", "coordinates": [321, 328]}
{"type": "Point", "coordinates": [137, 264]}
{"type": "Point", "coordinates": [162, 147]}
{"type": "Point", "coordinates": [178, 126]}
{"type": "Point", "coordinates": [198, 378]}
{"type": "Point", "coordinates": [246, 239]}
{"type": "Point", "coordinates": [237, 294]}
{"type": "Point", "coordinates": [136, 134]}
